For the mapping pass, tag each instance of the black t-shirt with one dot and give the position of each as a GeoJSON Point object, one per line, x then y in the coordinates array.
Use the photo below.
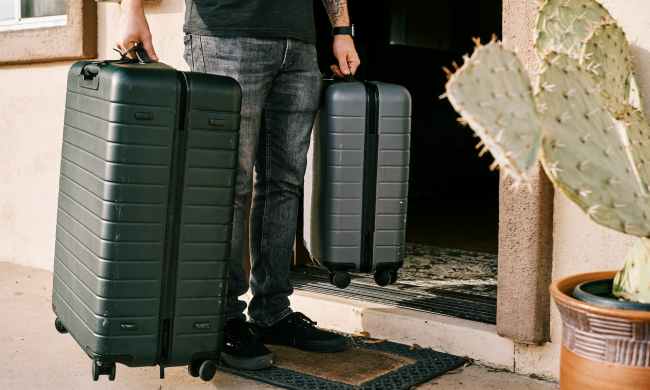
{"type": "Point", "coordinates": [251, 18]}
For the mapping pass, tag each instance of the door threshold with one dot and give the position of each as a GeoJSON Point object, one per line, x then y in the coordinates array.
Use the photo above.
{"type": "Point", "coordinates": [475, 340]}
{"type": "Point", "coordinates": [433, 300]}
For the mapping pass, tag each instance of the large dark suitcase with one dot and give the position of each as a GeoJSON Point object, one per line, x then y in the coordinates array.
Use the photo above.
{"type": "Point", "coordinates": [356, 196]}
{"type": "Point", "coordinates": [144, 215]}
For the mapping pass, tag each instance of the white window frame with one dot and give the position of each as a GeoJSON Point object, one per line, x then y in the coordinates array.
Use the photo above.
{"type": "Point", "coordinates": [18, 23]}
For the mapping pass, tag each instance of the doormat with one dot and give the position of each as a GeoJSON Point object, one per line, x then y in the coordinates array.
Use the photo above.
{"type": "Point", "coordinates": [367, 364]}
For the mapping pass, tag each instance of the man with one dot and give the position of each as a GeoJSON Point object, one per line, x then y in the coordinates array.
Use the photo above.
{"type": "Point", "coordinates": [268, 47]}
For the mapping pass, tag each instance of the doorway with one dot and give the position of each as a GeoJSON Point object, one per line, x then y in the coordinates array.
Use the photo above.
{"type": "Point", "coordinates": [452, 227]}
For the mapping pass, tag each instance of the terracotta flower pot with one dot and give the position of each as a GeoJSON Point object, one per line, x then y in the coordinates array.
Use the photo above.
{"type": "Point", "coordinates": [602, 349]}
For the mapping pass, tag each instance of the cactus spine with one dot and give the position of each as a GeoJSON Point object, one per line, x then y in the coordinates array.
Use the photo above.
{"type": "Point", "coordinates": [606, 54]}
{"type": "Point", "coordinates": [493, 94]}
{"type": "Point", "coordinates": [563, 26]}
{"type": "Point", "coordinates": [584, 115]}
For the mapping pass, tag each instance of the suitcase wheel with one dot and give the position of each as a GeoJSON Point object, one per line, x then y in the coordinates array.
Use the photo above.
{"type": "Point", "coordinates": [103, 368]}
{"type": "Point", "coordinates": [59, 326]}
{"type": "Point", "coordinates": [383, 278]}
{"type": "Point", "coordinates": [340, 279]}
{"type": "Point", "coordinates": [207, 370]}
{"type": "Point", "coordinates": [193, 369]}
{"type": "Point", "coordinates": [393, 277]}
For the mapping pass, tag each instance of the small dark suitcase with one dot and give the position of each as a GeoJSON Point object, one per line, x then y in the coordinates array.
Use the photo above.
{"type": "Point", "coordinates": [355, 205]}
{"type": "Point", "coordinates": [144, 215]}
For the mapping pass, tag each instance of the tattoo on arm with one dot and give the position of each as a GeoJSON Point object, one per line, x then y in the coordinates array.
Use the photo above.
{"type": "Point", "coordinates": [337, 10]}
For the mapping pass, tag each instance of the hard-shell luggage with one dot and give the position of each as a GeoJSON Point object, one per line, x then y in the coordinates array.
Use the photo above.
{"type": "Point", "coordinates": [356, 196]}
{"type": "Point", "coordinates": [144, 214]}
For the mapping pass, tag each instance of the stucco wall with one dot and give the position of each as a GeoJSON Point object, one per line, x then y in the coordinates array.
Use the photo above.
{"type": "Point", "coordinates": [32, 98]}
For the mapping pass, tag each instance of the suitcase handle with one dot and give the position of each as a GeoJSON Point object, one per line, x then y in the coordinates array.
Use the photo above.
{"type": "Point", "coordinates": [348, 78]}
{"type": "Point", "coordinates": [141, 56]}
{"type": "Point", "coordinates": [90, 71]}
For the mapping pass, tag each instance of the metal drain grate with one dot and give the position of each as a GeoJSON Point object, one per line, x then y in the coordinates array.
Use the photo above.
{"type": "Point", "coordinates": [428, 365]}
{"type": "Point", "coordinates": [451, 303]}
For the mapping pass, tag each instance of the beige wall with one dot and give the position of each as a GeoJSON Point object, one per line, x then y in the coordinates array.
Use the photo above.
{"type": "Point", "coordinates": [31, 117]}
{"type": "Point", "coordinates": [32, 99]}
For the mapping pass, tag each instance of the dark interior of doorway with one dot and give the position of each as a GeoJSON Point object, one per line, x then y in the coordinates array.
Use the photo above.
{"type": "Point", "coordinates": [453, 197]}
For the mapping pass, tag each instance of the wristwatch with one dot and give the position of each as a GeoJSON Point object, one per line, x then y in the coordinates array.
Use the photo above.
{"type": "Point", "coordinates": [344, 30]}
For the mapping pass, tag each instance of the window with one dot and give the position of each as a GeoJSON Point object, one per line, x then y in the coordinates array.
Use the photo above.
{"type": "Point", "coordinates": [28, 14]}
{"type": "Point", "coordinates": [47, 30]}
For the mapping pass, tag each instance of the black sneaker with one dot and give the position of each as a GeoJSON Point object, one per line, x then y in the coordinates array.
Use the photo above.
{"type": "Point", "coordinates": [298, 331]}
{"type": "Point", "coordinates": [243, 348]}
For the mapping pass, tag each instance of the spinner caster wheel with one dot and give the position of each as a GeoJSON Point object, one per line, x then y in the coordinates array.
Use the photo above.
{"type": "Point", "coordinates": [193, 369]}
{"type": "Point", "coordinates": [103, 368]}
{"type": "Point", "coordinates": [383, 278]}
{"type": "Point", "coordinates": [207, 370]}
{"type": "Point", "coordinates": [112, 371]}
{"type": "Point", "coordinates": [340, 279]}
{"type": "Point", "coordinates": [59, 326]}
{"type": "Point", "coordinates": [96, 371]}
{"type": "Point", "coordinates": [393, 277]}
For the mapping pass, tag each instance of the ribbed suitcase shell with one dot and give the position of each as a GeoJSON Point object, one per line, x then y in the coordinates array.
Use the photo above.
{"type": "Point", "coordinates": [334, 200]}
{"type": "Point", "coordinates": [145, 209]}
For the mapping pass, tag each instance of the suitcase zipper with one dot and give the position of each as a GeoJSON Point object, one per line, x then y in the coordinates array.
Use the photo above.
{"type": "Point", "coordinates": [172, 231]}
{"type": "Point", "coordinates": [369, 177]}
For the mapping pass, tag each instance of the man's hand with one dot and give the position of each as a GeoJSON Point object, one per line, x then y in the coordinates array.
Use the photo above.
{"type": "Point", "coordinates": [134, 28]}
{"type": "Point", "coordinates": [346, 55]}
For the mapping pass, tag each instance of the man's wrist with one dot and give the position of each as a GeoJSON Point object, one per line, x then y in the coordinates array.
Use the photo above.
{"type": "Point", "coordinates": [132, 5]}
{"type": "Point", "coordinates": [343, 38]}
{"type": "Point", "coordinates": [347, 30]}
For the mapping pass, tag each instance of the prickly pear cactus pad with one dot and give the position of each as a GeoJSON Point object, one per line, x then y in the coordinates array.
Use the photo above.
{"type": "Point", "coordinates": [493, 94]}
{"type": "Point", "coordinates": [636, 126]}
{"type": "Point", "coordinates": [585, 150]}
{"type": "Point", "coordinates": [564, 25]}
{"type": "Point", "coordinates": [606, 54]}
{"type": "Point", "coordinates": [634, 96]}
{"type": "Point", "coordinates": [633, 281]}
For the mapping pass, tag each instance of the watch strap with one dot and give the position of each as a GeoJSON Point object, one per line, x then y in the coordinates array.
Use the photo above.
{"type": "Point", "coordinates": [343, 30]}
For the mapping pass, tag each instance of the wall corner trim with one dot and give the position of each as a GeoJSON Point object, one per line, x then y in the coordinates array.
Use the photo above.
{"type": "Point", "coordinates": [525, 219]}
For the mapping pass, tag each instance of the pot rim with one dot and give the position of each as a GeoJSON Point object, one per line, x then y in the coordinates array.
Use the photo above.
{"type": "Point", "coordinates": [562, 290]}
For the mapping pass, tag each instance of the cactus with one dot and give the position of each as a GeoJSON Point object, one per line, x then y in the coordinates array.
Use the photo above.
{"type": "Point", "coordinates": [607, 55]}
{"type": "Point", "coordinates": [638, 131]}
{"type": "Point", "coordinates": [563, 26]}
{"type": "Point", "coordinates": [633, 282]}
{"type": "Point", "coordinates": [493, 94]}
{"type": "Point", "coordinates": [585, 150]}
{"type": "Point", "coordinates": [584, 113]}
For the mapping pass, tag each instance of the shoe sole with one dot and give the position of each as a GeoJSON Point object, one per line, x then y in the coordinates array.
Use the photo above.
{"type": "Point", "coordinates": [249, 364]}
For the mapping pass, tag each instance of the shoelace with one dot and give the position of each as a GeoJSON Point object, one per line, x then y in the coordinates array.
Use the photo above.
{"type": "Point", "coordinates": [300, 319]}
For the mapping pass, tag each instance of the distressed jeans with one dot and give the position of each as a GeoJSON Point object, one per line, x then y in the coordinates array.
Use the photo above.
{"type": "Point", "coordinates": [280, 83]}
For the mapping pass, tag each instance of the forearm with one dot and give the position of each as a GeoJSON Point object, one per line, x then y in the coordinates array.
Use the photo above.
{"type": "Point", "coordinates": [133, 5]}
{"type": "Point", "coordinates": [337, 10]}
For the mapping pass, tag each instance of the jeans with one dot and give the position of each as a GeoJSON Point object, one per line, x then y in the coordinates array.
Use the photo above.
{"type": "Point", "coordinates": [281, 84]}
